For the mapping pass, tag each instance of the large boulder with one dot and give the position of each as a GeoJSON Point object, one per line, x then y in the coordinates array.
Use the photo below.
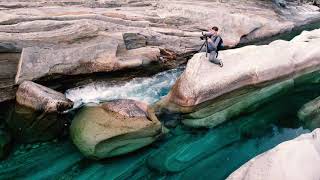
{"type": "Point", "coordinates": [41, 98]}
{"type": "Point", "coordinates": [209, 95]}
{"type": "Point", "coordinates": [309, 114]}
{"type": "Point", "coordinates": [114, 128]}
{"type": "Point", "coordinates": [295, 159]}
{"type": "Point", "coordinates": [37, 115]}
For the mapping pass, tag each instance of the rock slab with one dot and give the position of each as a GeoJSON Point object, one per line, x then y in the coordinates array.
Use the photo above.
{"type": "Point", "coordinates": [41, 98]}
{"type": "Point", "coordinates": [252, 74]}
{"type": "Point", "coordinates": [98, 55]}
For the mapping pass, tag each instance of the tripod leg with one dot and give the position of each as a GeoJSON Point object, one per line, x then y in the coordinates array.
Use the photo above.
{"type": "Point", "coordinates": [206, 47]}
{"type": "Point", "coordinates": [201, 47]}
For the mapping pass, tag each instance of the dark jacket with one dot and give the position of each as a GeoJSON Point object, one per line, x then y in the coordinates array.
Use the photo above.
{"type": "Point", "coordinates": [216, 43]}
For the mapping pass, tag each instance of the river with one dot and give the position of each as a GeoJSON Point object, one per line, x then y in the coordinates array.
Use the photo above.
{"type": "Point", "coordinates": [184, 153]}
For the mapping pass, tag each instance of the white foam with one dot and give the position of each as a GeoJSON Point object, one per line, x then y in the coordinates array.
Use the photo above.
{"type": "Point", "coordinates": [149, 89]}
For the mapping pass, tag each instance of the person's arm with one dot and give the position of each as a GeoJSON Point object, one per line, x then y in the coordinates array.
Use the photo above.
{"type": "Point", "coordinates": [208, 34]}
{"type": "Point", "coordinates": [211, 45]}
{"type": "Point", "coordinates": [216, 42]}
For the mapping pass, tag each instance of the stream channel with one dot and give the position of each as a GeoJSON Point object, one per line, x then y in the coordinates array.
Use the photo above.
{"type": "Point", "coordinates": [184, 153]}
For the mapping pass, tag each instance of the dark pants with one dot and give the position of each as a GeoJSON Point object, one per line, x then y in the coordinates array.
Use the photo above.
{"type": "Point", "coordinates": [212, 56]}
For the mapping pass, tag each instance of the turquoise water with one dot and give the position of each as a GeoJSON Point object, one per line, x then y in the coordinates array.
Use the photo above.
{"type": "Point", "coordinates": [149, 89]}
{"type": "Point", "coordinates": [184, 153]}
{"type": "Point", "coordinates": [283, 36]}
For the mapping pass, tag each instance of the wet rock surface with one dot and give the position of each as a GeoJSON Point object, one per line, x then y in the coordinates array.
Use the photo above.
{"type": "Point", "coordinates": [310, 113]}
{"type": "Point", "coordinates": [28, 125]}
{"type": "Point", "coordinates": [182, 154]}
{"type": "Point", "coordinates": [212, 95]}
{"type": "Point", "coordinates": [295, 159]}
{"type": "Point", "coordinates": [37, 114]}
{"type": "Point", "coordinates": [114, 128]}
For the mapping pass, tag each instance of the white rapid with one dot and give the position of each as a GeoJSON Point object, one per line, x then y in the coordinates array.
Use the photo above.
{"type": "Point", "coordinates": [147, 89]}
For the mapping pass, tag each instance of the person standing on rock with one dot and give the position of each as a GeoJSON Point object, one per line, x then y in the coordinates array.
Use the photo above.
{"type": "Point", "coordinates": [214, 44]}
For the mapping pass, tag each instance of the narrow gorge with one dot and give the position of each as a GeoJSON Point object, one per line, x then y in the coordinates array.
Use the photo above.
{"type": "Point", "coordinates": [104, 89]}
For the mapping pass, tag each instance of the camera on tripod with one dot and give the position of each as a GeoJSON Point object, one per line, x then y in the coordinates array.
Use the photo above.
{"type": "Point", "coordinates": [205, 35]}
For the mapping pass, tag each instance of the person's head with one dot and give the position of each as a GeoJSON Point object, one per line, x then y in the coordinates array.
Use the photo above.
{"type": "Point", "coordinates": [214, 30]}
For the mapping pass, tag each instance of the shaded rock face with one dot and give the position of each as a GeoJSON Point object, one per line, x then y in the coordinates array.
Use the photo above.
{"type": "Point", "coordinates": [37, 115]}
{"type": "Point", "coordinates": [8, 70]}
{"type": "Point", "coordinates": [5, 143]}
{"type": "Point", "coordinates": [5, 135]}
{"type": "Point", "coordinates": [310, 114]}
{"type": "Point", "coordinates": [134, 40]}
{"type": "Point", "coordinates": [282, 3]}
{"type": "Point", "coordinates": [28, 125]}
{"type": "Point", "coordinates": [295, 159]}
{"type": "Point", "coordinates": [250, 76]}
{"type": "Point", "coordinates": [114, 128]}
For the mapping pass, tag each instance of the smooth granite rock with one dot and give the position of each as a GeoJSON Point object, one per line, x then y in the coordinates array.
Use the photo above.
{"type": "Point", "coordinates": [291, 160]}
{"type": "Point", "coordinates": [98, 55]}
{"type": "Point", "coordinates": [57, 38]}
{"type": "Point", "coordinates": [251, 75]}
{"type": "Point", "coordinates": [166, 23]}
{"type": "Point", "coordinates": [41, 98]}
{"type": "Point", "coordinates": [114, 128]}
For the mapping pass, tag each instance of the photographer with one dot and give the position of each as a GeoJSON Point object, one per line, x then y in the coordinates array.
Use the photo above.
{"type": "Point", "coordinates": [214, 44]}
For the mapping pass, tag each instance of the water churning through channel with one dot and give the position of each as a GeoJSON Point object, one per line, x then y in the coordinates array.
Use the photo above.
{"type": "Point", "coordinates": [184, 153]}
{"type": "Point", "coordinates": [147, 89]}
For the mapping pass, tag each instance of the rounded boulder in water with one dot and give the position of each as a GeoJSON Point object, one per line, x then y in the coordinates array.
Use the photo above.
{"type": "Point", "coordinates": [114, 128]}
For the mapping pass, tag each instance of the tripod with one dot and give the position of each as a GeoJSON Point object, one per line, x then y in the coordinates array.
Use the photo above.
{"type": "Point", "coordinates": [205, 43]}
{"type": "Point", "coordinates": [207, 51]}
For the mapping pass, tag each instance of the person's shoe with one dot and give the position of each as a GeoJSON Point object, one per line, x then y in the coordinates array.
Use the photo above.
{"type": "Point", "coordinates": [220, 63]}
